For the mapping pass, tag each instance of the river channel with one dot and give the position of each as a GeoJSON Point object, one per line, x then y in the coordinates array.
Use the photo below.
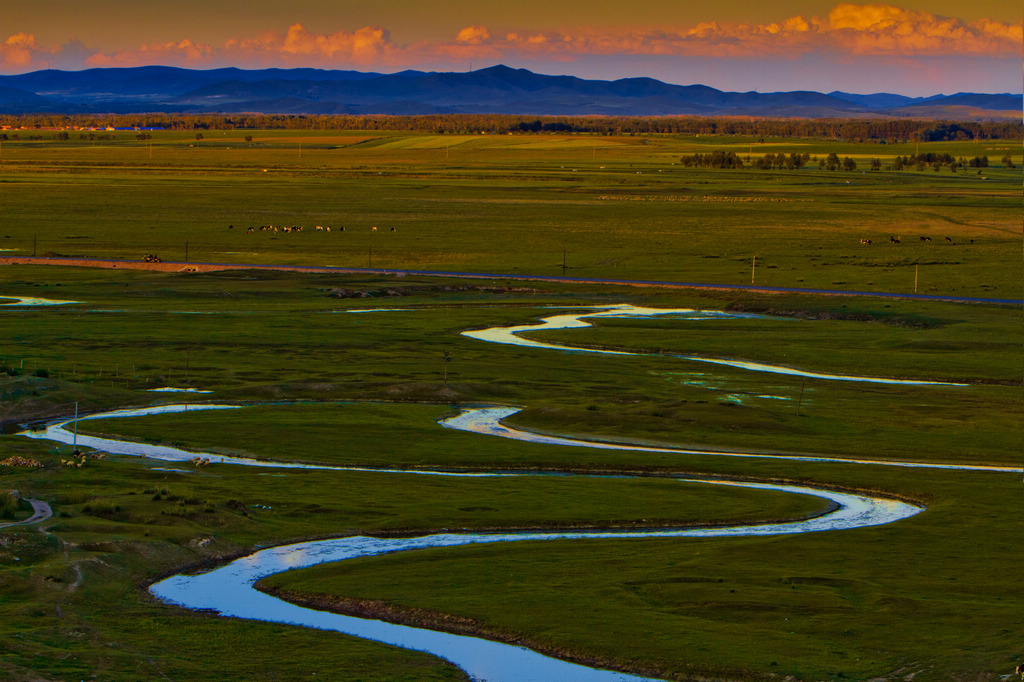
{"type": "Point", "coordinates": [229, 589]}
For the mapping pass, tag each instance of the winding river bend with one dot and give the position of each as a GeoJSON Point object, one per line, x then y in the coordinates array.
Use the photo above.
{"type": "Point", "coordinates": [511, 336]}
{"type": "Point", "coordinates": [229, 590]}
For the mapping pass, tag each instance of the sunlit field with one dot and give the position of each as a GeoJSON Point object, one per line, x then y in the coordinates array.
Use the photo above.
{"type": "Point", "coordinates": [357, 370]}
{"type": "Point", "coordinates": [604, 207]}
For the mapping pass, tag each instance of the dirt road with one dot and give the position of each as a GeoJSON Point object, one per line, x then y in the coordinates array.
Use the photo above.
{"type": "Point", "coordinates": [214, 267]}
{"type": "Point", "coordinates": [41, 512]}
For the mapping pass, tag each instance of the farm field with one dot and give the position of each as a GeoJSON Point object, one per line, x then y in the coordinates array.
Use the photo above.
{"type": "Point", "coordinates": [357, 371]}
{"type": "Point", "coordinates": [608, 207]}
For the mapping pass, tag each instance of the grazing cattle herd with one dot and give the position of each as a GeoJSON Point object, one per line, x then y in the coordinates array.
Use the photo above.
{"type": "Point", "coordinates": [277, 229]}
{"type": "Point", "coordinates": [893, 239]}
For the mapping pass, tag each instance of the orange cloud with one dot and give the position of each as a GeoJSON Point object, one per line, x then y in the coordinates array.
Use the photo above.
{"type": "Point", "coordinates": [18, 51]}
{"type": "Point", "coordinates": [852, 29]}
{"type": "Point", "coordinates": [182, 53]}
{"type": "Point", "coordinates": [884, 29]}
{"type": "Point", "coordinates": [849, 30]}
{"type": "Point", "coordinates": [367, 45]}
{"type": "Point", "coordinates": [473, 35]}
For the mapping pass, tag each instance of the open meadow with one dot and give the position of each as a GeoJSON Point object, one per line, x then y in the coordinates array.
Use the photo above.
{"type": "Point", "coordinates": [604, 206]}
{"type": "Point", "coordinates": [358, 370]}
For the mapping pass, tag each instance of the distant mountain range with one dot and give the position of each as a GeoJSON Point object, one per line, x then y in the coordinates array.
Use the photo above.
{"type": "Point", "coordinates": [495, 90]}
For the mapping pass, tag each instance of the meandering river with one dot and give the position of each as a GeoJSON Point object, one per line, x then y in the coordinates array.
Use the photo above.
{"type": "Point", "coordinates": [511, 336]}
{"type": "Point", "coordinates": [229, 589]}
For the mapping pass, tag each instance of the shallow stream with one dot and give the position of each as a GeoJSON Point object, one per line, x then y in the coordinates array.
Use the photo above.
{"type": "Point", "coordinates": [229, 590]}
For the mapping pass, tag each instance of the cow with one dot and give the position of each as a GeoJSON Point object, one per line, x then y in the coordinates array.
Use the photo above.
{"type": "Point", "coordinates": [394, 229]}
{"type": "Point", "coordinates": [894, 240]}
{"type": "Point", "coordinates": [373, 229]}
{"type": "Point", "coordinates": [949, 239]}
{"type": "Point", "coordinates": [865, 242]}
{"type": "Point", "coordinates": [926, 239]}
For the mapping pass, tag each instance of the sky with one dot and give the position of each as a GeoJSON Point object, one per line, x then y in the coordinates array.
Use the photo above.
{"type": "Point", "coordinates": [916, 47]}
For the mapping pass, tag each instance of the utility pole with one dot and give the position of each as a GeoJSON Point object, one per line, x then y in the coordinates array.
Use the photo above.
{"type": "Point", "coordinates": [74, 447]}
{"type": "Point", "coordinates": [186, 250]}
{"type": "Point", "coordinates": [915, 278]}
{"type": "Point", "coordinates": [563, 262]}
{"type": "Point", "coordinates": [753, 267]}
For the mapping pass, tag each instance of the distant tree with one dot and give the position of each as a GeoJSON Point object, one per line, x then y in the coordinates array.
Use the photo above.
{"type": "Point", "coordinates": [876, 164]}
{"type": "Point", "coordinates": [832, 161]}
{"type": "Point", "coordinates": [248, 138]}
{"type": "Point", "coordinates": [1007, 161]}
{"type": "Point", "coordinates": [199, 136]}
{"type": "Point", "coordinates": [849, 164]}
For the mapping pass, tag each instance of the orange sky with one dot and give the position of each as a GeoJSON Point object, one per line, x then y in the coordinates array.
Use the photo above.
{"type": "Point", "coordinates": [918, 47]}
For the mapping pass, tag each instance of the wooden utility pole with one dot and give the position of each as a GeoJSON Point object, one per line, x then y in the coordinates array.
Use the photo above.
{"type": "Point", "coordinates": [563, 262]}
{"type": "Point", "coordinates": [753, 268]}
{"type": "Point", "coordinates": [915, 278]}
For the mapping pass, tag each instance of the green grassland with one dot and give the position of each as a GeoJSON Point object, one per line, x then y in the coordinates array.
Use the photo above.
{"type": "Point", "coordinates": [618, 207]}
{"type": "Point", "coordinates": [935, 596]}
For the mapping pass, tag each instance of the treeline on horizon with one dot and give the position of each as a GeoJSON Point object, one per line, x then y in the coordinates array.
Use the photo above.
{"type": "Point", "coordinates": [832, 162]}
{"type": "Point", "coordinates": [850, 129]}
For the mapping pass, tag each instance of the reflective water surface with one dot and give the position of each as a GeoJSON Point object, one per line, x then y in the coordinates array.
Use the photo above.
{"type": "Point", "coordinates": [229, 591]}
{"type": "Point", "coordinates": [511, 336]}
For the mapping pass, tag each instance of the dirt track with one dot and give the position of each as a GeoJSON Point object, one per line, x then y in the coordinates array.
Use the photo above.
{"type": "Point", "coordinates": [179, 266]}
{"type": "Point", "coordinates": [40, 512]}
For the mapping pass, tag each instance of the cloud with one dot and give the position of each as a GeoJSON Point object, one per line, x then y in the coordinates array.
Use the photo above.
{"type": "Point", "coordinates": [473, 35]}
{"type": "Point", "coordinates": [884, 29]}
{"type": "Point", "coordinates": [181, 53]}
{"type": "Point", "coordinates": [18, 51]}
{"type": "Point", "coordinates": [368, 45]}
{"type": "Point", "coordinates": [848, 31]}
